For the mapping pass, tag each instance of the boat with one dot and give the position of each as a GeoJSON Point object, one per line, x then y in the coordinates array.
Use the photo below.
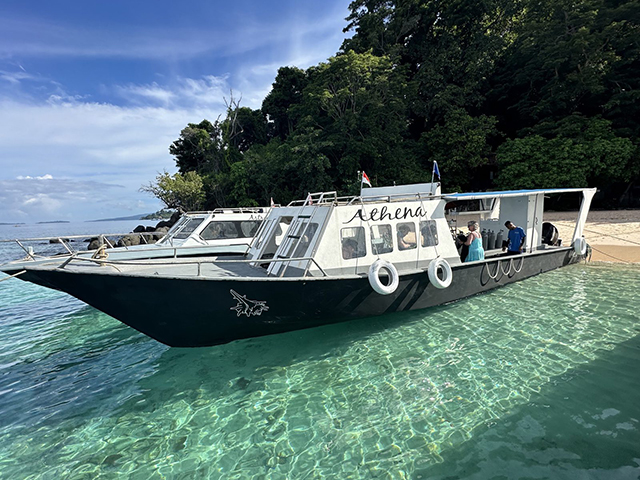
{"type": "Point", "coordinates": [326, 259]}
{"type": "Point", "coordinates": [223, 231]}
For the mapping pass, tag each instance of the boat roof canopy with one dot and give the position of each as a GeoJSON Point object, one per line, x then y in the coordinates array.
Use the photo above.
{"type": "Point", "coordinates": [510, 193]}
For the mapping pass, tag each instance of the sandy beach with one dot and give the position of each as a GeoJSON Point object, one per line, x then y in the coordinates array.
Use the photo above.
{"type": "Point", "coordinates": [614, 235]}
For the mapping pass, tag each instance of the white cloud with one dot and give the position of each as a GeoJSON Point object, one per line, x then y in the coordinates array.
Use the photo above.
{"type": "Point", "coordinates": [44, 197]}
{"type": "Point", "coordinates": [65, 155]}
{"type": "Point", "coordinates": [225, 37]}
{"type": "Point", "coordinates": [58, 158]}
{"type": "Point", "coordinates": [16, 77]}
{"type": "Point", "coordinates": [43, 177]}
{"type": "Point", "coordinates": [206, 92]}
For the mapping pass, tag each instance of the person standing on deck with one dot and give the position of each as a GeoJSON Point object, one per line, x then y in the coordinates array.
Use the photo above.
{"type": "Point", "coordinates": [516, 239]}
{"type": "Point", "coordinates": [474, 241]}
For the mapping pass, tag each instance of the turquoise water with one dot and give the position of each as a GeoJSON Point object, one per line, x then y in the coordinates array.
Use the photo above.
{"type": "Point", "coordinates": [540, 379]}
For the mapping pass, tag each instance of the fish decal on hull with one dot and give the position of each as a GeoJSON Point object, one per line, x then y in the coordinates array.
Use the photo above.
{"type": "Point", "coordinates": [248, 307]}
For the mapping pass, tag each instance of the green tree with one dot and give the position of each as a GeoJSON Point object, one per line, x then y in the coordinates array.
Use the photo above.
{"type": "Point", "coordinates": [356, 105]}
{"type": "Point", "coordinates": [199, 148]}
{"type": "Point", "coordinates": [580, 153]}
{"type": "Point", "coordinates": [460, 146]}
{"type": "Point", "coordinates": [279, 104]}
{"type": "Point", "coordinates": [448, 48]}
{"type": "Point", "coordinates": [180, 191]}
{"type": "Point", "coordinates": [546, 92]}
{"type": "Point", "coordinates": [244, 128]}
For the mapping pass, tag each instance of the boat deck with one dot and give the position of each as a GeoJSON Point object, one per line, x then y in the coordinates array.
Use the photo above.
{"type": "Point", "coordinates": [209, 267]}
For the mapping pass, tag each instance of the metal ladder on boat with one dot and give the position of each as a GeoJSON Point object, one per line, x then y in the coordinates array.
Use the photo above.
{"type": "Point", "coordinates": [291, 247]}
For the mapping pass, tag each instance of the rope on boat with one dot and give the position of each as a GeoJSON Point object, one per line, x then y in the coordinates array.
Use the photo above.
{"type": "Point", "coordinates": [493, 277]}
{"type": "Point", "coordinates": [508, 271]}
{"type": "Point", "coordinates": [13, 276]}
{"type": "Point", "coordinates": [612, 236]}
{"type": "Point", "coordinates": [517, 270]}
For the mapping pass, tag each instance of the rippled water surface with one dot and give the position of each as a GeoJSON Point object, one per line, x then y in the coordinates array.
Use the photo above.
{"type": "Point", "coordinates": [540, 379]}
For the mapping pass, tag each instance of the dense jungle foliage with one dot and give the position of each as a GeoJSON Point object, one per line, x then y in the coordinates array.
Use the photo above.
{"type": "Point", "coordinates": [501, 93]}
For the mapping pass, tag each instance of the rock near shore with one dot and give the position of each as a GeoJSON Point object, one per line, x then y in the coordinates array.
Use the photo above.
{"type": "Point", "coordinates": [159, 231]}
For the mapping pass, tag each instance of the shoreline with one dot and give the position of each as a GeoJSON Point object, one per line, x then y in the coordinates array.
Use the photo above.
{"type": "Point", "coordinates": [612, 234]}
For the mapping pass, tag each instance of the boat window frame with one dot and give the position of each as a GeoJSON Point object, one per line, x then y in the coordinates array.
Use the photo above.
{"type": "Point", "coordinates": [263, 234]}
{"type": "Point", "coordinates": [433, 233]}
{"type": "Point", "coordinates": [361, 247]}
{"type": "Point", "coordinates": [255, 229]}
{"type": "Point", "coordinates": [180, 235]}
{"type": "Point", "coordinates": [412, 229]}
{"type": "Point", "coordinates": [309, 229]}
{"type": "Point", "coordinates": [389, 246]}
{"type": "Point", "coordinates": [235, 225]}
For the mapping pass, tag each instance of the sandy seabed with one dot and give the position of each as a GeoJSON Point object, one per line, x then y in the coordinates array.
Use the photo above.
{"type": "Point", "coordinates": [614, 235]}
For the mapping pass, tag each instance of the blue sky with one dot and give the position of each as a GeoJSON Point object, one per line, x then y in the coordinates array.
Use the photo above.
{"type": "Point", "coordinates": [93, 93]}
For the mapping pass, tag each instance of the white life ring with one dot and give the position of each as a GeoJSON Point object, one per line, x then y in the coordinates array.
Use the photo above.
{"type": "Point", "coordinates": [580, 246]}
{"type": "Point", "coordinates": [433, 273]}
{"type": "Point", "coordinates": [374, 278]}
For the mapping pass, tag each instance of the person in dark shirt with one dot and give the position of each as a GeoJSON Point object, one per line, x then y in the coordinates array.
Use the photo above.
{"type": "Point", "coordinates": [516, 239]}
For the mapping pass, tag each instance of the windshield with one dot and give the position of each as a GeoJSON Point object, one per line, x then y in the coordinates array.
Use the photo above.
{"type": "Point", "coordinates": [217, 230]}
{"type": "Point", "coordinates": [190, 226]}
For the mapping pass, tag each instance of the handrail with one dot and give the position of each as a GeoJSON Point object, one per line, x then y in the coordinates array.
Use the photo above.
{"type": "Point", "coordinates": [315, 198]}
{"type": "Point", "coordinates": [88, 235]}
{"type": "Point", "coordinates": [230, 210]}
{"type": "Point", "coordinates": [199, 262]}
{"type": "Point", "coordinates": [149, 247]}
{"type": "Point", "coordinates": [331, 197]}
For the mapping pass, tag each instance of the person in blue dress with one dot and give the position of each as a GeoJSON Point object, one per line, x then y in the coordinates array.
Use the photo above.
{"type": "Point", "coordinates": [474, 241]}
{"type": "Point", "coordinates": [516, 239]}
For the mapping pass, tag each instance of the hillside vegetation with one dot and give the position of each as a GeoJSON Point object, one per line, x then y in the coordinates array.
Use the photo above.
{"type": "Point", "coordinates": [501, 94]}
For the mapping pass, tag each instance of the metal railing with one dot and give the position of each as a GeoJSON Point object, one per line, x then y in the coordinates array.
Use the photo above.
{"type": "Point", "coordinates": [199, 263]}
{"type": "Point", "coordinates": [225, 210]}
{"type": "Point", "coordinates": [324, 198]}
{"type": "Point", "coordinates": [64, 241]}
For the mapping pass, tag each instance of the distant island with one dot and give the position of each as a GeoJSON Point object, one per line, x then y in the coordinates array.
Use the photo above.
{"type": "Point", "coordinates": [132, 217]}
{"type": "Point", "coordinates": [53, 221]}
{"type": "Point", "coordinates": [12, 223]}
{"type": "Point", "coordinates": [163, 214]}
{"type": "Point", "coordinates": [160, 215]}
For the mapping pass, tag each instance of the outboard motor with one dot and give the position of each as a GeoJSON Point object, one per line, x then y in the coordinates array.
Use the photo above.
{"type": "Point", "coordinates": [499, 240]}
{"type": "Point", "coordinates": [549, 234]}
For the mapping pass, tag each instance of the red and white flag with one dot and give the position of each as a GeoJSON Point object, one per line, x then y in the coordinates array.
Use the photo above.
{"type": "Point", "coordinates": [309, 200]}
{"type": "Point", "coordinates": [272, 204]}
{"type": "Point", "coordinates": [365, 179]}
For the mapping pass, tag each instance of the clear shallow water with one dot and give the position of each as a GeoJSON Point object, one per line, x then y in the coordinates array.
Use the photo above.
{"type": "Point", "coordinates": [536, 380]}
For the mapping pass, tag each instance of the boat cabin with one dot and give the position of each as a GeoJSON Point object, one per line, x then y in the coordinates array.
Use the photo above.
{"type": "Point", "coordinates": [408, 226]}
{"type": "Point", "coordinates": [218, 226]}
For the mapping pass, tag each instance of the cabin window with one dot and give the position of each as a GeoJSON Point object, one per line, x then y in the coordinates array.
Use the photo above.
{"type": "Point", "coordinates": [249, 228]}
{"type": "Point", "coordinates": [381, 239]}
{"type": "Point", "coordinates": [177, 225]}
{"type": "Point", "coordinates": [273, 236]}
{"type": "Point", "coordinates": [305, 240]}
{"type": "Point", "coordinates": [428, 233]}
{"type": "Point", "coordinates": [189, 227]}
{"type": "Point", "coordinates": [219, 231]}
{"type": "Point", "coordinates": [406, 233]}
{"type": "Point", "coordinates": [281, 229]}
{"type": "Point", "coordinates": [353, 242]}
{"type": "Point", "coordinates": [263, 233]}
